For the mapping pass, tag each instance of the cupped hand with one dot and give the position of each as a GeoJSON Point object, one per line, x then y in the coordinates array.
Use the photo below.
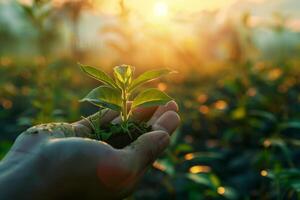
{"type": "Point", "coordinates": [61, 161]}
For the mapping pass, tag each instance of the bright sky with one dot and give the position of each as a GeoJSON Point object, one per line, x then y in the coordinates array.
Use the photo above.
{"type": "Point", "coordinates": [180, 5]}
{"type": "Point", "coordinates": [145, 7]}
{"type": "Point", "coordinates": [163, 10]}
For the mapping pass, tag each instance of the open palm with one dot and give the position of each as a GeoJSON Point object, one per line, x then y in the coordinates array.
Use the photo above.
{"type": "Point", "coordinates": [60, 161]}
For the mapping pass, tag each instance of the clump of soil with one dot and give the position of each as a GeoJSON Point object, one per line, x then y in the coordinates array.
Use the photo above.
{"type": "Point", "coordinates": [121, 135]}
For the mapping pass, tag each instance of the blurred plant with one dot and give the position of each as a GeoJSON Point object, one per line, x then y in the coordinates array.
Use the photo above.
{"type": "Point", "coordinates": [41, 15]}
{"type": "Point", "coordinates": [73, 10]}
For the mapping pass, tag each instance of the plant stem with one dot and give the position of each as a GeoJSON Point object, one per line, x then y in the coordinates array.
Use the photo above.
{"type": "Point", "coordinates": [124, 110]}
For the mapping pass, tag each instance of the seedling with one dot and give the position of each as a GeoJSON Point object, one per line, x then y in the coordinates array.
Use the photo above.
{"type": "Point", "coordinates": [115, 93]}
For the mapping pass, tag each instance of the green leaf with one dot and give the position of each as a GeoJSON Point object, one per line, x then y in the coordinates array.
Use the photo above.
{"type": "Point", "coordinates": [264, 115]}
{"type": "Point", "coordinates": [214, 180]}
{"type": "Point", "coordinates": [201, 179]}
{"type": "Point", "coordinates": [289, 125]}
{"type": "Point", "coordinates": [105, 96]}
{"type": "Point", "coordinates": [181, 148]}
{"type": "Point", "coordinates": [279, 142]}
{"type": "Point", "coordinates": [123, 75]}
{"type": "Point", "coordinates": [148, 76]}
{"type": "Point", "coordinates": [231, 193]}
{"type": "Point", "coordinates": [98, 75]}
{"type": "Point", "coordinates": [150, 97]}
{"type": "Point", "coordinates": [105, 135]}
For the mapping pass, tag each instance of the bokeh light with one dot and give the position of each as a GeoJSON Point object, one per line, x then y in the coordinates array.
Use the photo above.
{"type": "Point", "coordinates": [199, 169]}
{"type": "Point", "coordinates": [221, 190]}
{"type": "Point", "coordinates": [264, 173]}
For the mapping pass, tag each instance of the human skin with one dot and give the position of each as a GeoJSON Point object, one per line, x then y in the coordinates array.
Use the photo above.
{"type": "Point", "coordinates": [60, 161]}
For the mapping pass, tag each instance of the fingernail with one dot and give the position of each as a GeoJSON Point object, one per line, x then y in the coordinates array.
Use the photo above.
{"type": "Point", "coordinates": [171, 105]}
{"type": "Point", "coordinates": [167, 122]}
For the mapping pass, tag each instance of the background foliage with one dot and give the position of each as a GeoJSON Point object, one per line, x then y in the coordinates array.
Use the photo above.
{"type": "Point", "coordinates": [238, 90]}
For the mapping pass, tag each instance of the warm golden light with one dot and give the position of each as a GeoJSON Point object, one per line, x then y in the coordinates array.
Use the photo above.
{"type": "Point", "coordinates": [26, 2]}
{"type": "Point", "coordinates": [5, 61]}
{"type": "Point", "coordinates": [162, 86]}
{"type": "Point", "coordinates": [160, 9]}
{"type": "Point", "coordinates": [221, 190]}
{"type": "Point", "coordinates": [274, 74]}
{"type": "Point", "coordinates": [200, 169]}
{"type": "Point", "coordinates": [267, 143]}
{"type": "Point", "coordinates": [204, 109]}
{"type": "Point", "coordinates": [221, 105]}
{"type": "Point", "coordinates": [7, 104]}
{"type": "Point", "coordinates": [202, 98]}
{"type": "Point", "coordinates": [189, 156]}
{"type": "Point", "coordinates": [158, 166]}
{"type": "Point", "coordinates": [263, 173]}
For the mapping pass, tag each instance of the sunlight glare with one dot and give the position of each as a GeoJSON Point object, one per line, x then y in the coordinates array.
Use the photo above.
{"type": "Point", "coordinates": [160, 9]}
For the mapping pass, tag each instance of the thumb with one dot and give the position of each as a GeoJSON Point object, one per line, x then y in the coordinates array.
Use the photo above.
{"type": "Point", "coordinates": [150, 145]}
{"type": "Point", "coordinates": [147, 148]}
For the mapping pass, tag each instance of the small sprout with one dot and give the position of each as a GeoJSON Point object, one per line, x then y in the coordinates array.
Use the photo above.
{"type": "Point", "coordinates": [115, 93]}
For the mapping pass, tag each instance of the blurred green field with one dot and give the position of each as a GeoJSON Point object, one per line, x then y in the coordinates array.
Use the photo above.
{"type": "Point", "coordinates": [238, 91]}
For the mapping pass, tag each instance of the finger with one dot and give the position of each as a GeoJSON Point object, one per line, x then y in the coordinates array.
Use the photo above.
{"type": "Point", "coordinates": [146, 149]}
{"type": "Point", "coordinates": [172, 105]}
{"type": "Point", "coordinates": [168, 122]}
{"type": "Point", "coordinates": [139, 114]}
{"type": "Point", "coordinates": [144, 114]}
{"type": "Point", "coordinates": [149, 146]}
{"type": "Point", "coordinates": [82, 130]}
{"type": "Point", "coordinates": [104, 116]}
{"type": "Point", "coordinates": [84, 127]}
{"type": "Point", "coordinates": [94, 159]}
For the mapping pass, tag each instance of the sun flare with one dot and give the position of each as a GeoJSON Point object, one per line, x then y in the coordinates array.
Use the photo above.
{"type": "Point", "coordinates": [160, 9]}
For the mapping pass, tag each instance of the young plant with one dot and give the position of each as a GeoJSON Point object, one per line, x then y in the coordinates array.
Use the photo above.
{"type": "Point", "coordinates": [115, 93]}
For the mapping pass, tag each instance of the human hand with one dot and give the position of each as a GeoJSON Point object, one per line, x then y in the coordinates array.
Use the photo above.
{"type": "Point", "coordinates": [59, 161]}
